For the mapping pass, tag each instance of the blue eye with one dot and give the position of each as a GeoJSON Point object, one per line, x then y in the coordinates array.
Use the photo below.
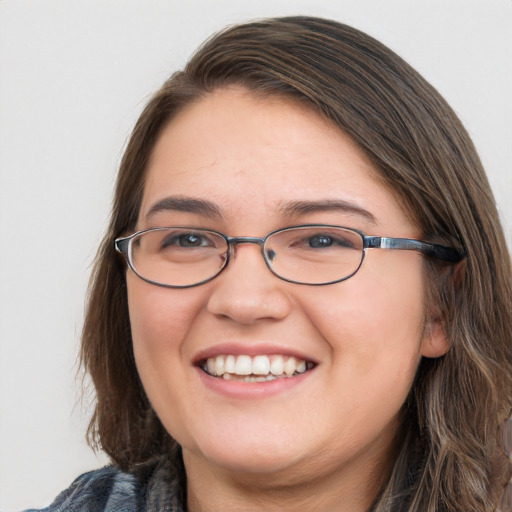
{"type": "Point", "coordinates": [187, 240]}
{"type": "Point", "coordinates": [191, 240]}
{"type": "Point", "coordinates": [322, 241]}
{"type": "Point", "coordinates": [319, 241]}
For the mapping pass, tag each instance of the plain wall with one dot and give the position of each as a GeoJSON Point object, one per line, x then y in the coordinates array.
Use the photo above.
{"type": "Point", "coordinates": [74, 75]}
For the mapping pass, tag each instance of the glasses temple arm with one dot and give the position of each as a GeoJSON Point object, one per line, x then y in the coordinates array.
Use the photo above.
{"type": "Point", "coordinates": [438, 251]}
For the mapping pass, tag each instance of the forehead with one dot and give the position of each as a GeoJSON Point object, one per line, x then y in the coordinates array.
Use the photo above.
{"type": "Point", "coordinates": [251, 155]}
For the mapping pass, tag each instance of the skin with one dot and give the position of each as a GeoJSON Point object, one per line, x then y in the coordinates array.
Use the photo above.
{"type": "Point", "coordinates": [329, 439]}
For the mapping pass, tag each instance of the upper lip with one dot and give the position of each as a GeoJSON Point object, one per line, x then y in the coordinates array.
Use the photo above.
{"type": "Point", "coordinates": [249, 349]}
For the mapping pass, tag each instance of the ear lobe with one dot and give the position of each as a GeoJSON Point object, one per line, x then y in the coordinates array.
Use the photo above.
{"type": "Point", "coordinates": [434, 343]}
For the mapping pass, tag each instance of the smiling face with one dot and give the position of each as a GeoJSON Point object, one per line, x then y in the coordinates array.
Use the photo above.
{"type": "Point", "coordinates": [344, 355]}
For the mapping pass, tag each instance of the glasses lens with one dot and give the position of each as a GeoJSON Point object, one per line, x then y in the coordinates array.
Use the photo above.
{"type": "Point", "coordinates": [314, 255]}
{"type": "Point", "coordinates": [178, 256]}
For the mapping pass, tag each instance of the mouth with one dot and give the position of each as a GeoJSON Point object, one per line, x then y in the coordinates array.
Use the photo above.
{"type": "Point", "coordinates": [258, 368]}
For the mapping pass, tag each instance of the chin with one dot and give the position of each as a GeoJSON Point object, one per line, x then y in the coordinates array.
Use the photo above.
{"type": "Point", "coordinates": [253, 464]}
{"type": "Point", "coordinates": [249, 454]}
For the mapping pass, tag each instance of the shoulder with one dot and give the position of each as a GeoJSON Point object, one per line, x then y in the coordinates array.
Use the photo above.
{"type": "Point", "coordinates": [157, 486]}
{"type": "Point", "coordinates": [105, 490]}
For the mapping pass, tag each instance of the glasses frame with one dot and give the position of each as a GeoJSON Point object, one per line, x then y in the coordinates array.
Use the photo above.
{"type": "Point", "coordinates": [433, 250]}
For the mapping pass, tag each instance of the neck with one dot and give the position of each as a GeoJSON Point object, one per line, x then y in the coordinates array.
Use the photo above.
{"type": "Point", "coordinates": [352, 486]}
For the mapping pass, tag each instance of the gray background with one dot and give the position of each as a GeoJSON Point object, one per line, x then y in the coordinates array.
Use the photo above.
{"type": "Point", "coordinates": [73, 77]}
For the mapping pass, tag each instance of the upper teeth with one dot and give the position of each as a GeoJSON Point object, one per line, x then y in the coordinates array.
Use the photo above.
{"type": "Point", "coordinates": [243, 365]}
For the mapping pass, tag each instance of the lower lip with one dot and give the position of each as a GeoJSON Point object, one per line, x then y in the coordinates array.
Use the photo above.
{"type": "Point", "coordinates": [251, 390]}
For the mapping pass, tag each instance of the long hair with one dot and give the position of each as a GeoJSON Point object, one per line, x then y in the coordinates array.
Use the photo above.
{"type": "Point", "coordinates": [448, 459]}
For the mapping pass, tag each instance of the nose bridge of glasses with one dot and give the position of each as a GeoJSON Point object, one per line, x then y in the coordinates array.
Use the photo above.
{"type": "Point", "coordinates": [236, 240]}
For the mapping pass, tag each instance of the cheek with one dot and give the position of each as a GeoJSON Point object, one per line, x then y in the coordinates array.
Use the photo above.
{"type": "Point", "coordinates": [373, 323]}
{"type": "Point", "coordinates": [160, 319]}
{"type": "Point", "coordinates": [382, 319]}
{"type": "Point", "coordinates": [159, 315]}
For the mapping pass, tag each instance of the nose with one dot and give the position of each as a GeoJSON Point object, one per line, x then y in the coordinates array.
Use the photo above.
{"type": "Point", "coordinates": [246, 291]}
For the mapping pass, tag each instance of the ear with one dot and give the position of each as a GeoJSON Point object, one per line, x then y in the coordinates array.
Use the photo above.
{"type": "Point", "coordinates": [434, 343]}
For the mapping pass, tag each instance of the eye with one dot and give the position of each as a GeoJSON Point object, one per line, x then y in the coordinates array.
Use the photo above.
{"type": "Point", "coordinates": [319, 241]}
{"type": "Point", "coordinates": [187, 240]}
{"type": "Point", "coordinates": [322, 241]}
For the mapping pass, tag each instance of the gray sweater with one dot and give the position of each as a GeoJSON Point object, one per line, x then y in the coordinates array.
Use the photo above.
{"type": "Point", "coordinates": [111, 490]}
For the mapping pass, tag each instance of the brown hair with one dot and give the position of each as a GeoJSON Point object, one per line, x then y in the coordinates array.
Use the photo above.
{"type": "Point", "coordinates": [448, 453]}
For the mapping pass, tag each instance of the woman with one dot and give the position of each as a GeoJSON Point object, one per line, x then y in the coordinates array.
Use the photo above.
{"type": "Point", "coordinates": [310, 303]}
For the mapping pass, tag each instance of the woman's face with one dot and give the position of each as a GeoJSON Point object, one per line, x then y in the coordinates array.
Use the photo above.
{"type": "Point", "coordinates": [260, 165]}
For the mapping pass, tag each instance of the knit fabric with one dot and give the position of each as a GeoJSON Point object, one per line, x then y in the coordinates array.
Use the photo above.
{"type": "Point", "coordinates": [111, 490]}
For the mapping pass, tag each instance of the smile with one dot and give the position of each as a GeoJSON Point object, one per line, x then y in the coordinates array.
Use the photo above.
{"type": "Point", "coordinates": [259, 368]}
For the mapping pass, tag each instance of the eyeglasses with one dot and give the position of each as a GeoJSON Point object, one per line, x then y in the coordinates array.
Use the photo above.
{"type": "Point", "coordinates": [314, 254]}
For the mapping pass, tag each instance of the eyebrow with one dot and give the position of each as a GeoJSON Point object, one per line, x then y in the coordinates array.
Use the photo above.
{"type": "Point", "coordinates": [288, 209]}
{"type": "Point", "coordinates": [186, 204]}
{"type": "Point", "coordinates": [292, 208]}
